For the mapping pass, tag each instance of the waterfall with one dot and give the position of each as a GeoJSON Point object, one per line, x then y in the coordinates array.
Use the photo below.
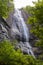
{"type": "Point", "coordinates": [23, 29]}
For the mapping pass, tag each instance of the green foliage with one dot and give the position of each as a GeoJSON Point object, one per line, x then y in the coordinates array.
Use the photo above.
{"type": "Point", "coordinates": [8, 56]}
{"type": "Point", "coordinates": [28, 9]}
{"type": "Point", "coordinates": [6, 51]}
{"type": "Point", "coordinates": [36, 22]}
{"type": "Point", "coordinates": [5, 7]}
{"type": "Point", "coordinates": [39, 43]}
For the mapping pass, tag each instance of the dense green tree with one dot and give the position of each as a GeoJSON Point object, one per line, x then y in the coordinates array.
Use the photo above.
{"type": "Point", "coordinates": [36, 22]}
{"type": "Point", "coordinates": [9, 56]}
{"type": "Point", "coordinates": [6, 7]}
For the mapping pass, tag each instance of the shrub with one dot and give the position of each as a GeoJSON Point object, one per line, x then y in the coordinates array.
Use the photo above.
{"type": "Point", "coordinates": [8, 56]}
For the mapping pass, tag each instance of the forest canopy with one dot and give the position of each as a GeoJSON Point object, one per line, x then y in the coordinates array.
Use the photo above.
{"type": "Point", "coordinates": [6, 6]}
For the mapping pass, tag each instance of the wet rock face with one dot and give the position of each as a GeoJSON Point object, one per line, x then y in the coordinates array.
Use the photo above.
{"type": "Point", "coordinates": [3, 31]}
{"type": "Point", "coordinates": [17, 30]}
{"type": "Point", "coordinates": [6, 32]}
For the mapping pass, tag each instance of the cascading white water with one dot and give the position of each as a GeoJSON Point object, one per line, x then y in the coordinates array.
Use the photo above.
{"type": "Point", "coordinates": [23, 30]}
{"type": "Point", "coordinates": [23, 25]}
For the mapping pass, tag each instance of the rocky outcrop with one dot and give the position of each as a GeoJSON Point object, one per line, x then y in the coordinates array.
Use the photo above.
{"type": "Point", "coordinates": [3, 29]}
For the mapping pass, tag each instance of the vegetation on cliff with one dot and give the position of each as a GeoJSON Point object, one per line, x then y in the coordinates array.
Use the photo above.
{"type": "Point", "coordinates": [6, 7]}
{"type": "Point", "coordinates": [36, 22]}
{"type": "Point", "coordinates": [9, 56]}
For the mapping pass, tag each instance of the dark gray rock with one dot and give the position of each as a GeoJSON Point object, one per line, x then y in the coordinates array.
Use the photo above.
{"type": "Point", "coordinates": [3, 30]}
{"type": "Point", "coordinates": [3, 33]}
